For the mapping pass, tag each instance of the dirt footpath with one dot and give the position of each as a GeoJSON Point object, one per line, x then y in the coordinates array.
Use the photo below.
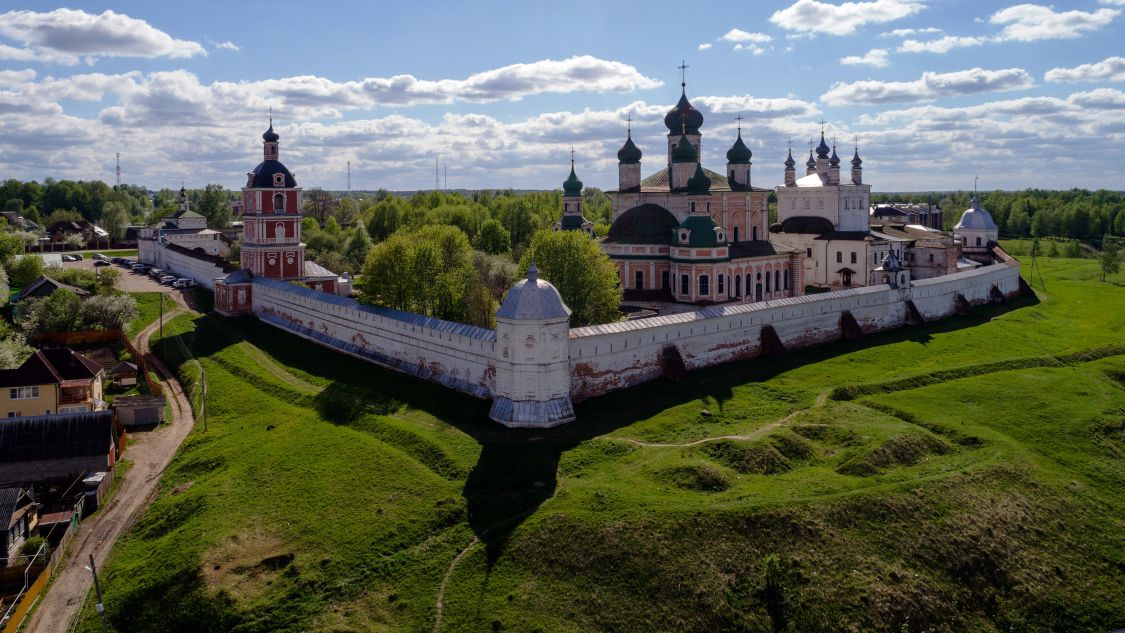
{"type": "Point", "coordinates": [150, 453]}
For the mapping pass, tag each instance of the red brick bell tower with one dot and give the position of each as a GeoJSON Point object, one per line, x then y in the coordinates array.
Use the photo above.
{"type": "Point", "coordinates": [271, 199]}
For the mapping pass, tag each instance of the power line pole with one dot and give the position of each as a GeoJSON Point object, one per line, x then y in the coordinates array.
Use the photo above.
{"type": "Point", "coordinates": [100, 606]}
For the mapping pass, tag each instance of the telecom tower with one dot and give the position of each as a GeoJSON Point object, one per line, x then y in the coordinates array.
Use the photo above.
{"type": "Point", "coordinates": [349, 178]}
{"type": "Point", "coordinates": [118, 169]}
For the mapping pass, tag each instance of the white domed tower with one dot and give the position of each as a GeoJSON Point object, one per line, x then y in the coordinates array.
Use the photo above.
{"type": "Point", "coordinates": [976, 230]}
{"type": "Point", "coordinates": [271, 199]}
{"type": "Point", "coordinates": [533, 368]}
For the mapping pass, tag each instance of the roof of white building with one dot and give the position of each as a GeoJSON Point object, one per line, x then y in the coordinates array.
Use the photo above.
{"type": "Point", "coordinates": [975, 218]}
{"type": "Point", "coordinates": [533, 299]}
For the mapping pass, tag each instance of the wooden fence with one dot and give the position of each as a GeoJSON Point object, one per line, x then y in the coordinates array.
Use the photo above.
{"type": "Point", "coordinates": [154, 387]}
{"type": "Point", "coordinates": [80, 338]}
{"type": "Point", "coordinates": [13, 617]}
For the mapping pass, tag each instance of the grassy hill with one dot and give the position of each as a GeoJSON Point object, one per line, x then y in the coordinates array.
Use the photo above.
{"type": "Point", "coordinates": [968, 475]}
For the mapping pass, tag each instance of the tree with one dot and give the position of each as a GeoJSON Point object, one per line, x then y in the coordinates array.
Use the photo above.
{"type": "Point", "coordinates": [13, 205]}
{"type": "Point", "coordinates": [388, 215]}
{"type": "Point", "coordinates": [61, 215]}
{"type": "Point", "coordinates": [106, 312]}
{"type": "Point", "coordinates": [1072, 249]}
{"type": "Point", "coordinates": [358, 245]}
{"type": "Point", "coordinates": [75, 240]}
{"type": "Point", "coordinates": [14, 351]}
{"type": "Point", "coordinates": [214, 204]}
{"type": "Point", "coordinates": [494, 238]}
{"type": "Point", "coordinates": [61, 311]}
{"type": "Point", "coordinates": [584, 276]}
{"type": "Point", "coordinates": [428, 271]}
{"type": "Point", "coordinates": [1110, 258]}
{"type": "Point", "coordinates": [107, 281]}
{"type": "Point", "coordinates": [26, 270]}
{"type": "Point", "coordinates": [5, 291]}
{"type": "Point", "coordinates": [115, 217]}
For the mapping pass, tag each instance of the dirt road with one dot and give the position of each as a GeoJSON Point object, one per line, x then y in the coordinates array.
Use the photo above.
{"type": "Point", "coordinates": [150, 453]}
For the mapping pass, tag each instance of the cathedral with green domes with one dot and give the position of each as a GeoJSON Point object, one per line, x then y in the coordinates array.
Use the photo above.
{"type": "Point", "coordinates": [688, 236]}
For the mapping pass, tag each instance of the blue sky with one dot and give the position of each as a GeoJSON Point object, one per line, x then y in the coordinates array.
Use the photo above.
{"type": "Point", "coordinates": [938, 91]}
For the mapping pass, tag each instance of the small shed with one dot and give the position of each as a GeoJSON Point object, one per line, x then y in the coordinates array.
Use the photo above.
{"type": "Point", "coordinates": [139, 410]}
{"type": "Point", "coordinates": [124, 374]}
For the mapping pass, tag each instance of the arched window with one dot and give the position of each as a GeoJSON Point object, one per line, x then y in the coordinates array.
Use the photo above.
{"type": "Point", "coordinates": [722, 287]}
{"type": "Point", "coordinates": [755, 233]}
{"type": "Point", "coordinates": [786, 278]}
{"type": "Point", "coordinates": [978, 240]}
{"type": "Point", "coordinates": [767, 282]}
{"type": "Point", "coordinates": [684, 284]}
{"type": "Point", "coordinates": [704, 285]}
{"type": "Point", "coordinates": [639, 279]}
{"type": "Point", "coordinates": [738, 285]}
{"type": "Point", "coordinates": [279, 203]}
{"type": "Point", "coordinates": [777, 279]}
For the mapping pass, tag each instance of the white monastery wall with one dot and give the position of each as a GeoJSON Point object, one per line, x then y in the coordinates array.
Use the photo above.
{"type": "Point", "coordinates": [459, 356]}
{"type": "Point", "coordinates": [202, 271]}
{"type": "Point", "coordinates": [608, 357]}
{"type": "Point", "coordinates": [601, 358]}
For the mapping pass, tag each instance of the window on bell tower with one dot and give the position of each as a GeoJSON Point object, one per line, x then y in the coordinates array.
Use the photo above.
{"type": "Point", "coordinates": [279, 203]}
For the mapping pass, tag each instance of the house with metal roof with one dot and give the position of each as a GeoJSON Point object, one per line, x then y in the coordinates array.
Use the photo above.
{"type": "Point", "coordinates": [17, 521]}
{"type": "Point", "coordinates": [60, 446]}
{"type": "Point", "coordinates": [56, 380]}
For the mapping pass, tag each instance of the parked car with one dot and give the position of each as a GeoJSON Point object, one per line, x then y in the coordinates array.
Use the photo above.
{"type": "Point", "coordinates": [77, 257]}
{"type": "Point", "coordinates": [183, 282]}
{"type": "Point", "coordinates": [68, 258]}
{"type": "Point", "coordinates": [101, 262]}
{"type": "Point", "coordinates": [167, 279]}
{"type": "Point", "coordinates": [116, 260]}
{"type": "Point", "coordinates": [100, 257]}
{"type": "Point", "coordinates": [139, 268]}
{"type": "Point", "coordinates": [156, 273]}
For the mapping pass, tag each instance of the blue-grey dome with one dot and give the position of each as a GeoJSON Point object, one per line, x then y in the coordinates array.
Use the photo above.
{"type": "Point", "coordinates": [533, 299]}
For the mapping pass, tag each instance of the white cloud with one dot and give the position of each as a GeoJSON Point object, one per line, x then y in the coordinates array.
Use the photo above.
{"type": "Point", "coordinates": [227, 45]}
{"type": "Point", "coordinates": [757, 108]}
{"type": "Point", "coordinates": [1032, 22]}
{"type": "Point", "coordinates": [738, 35]}
{"type": "Point", "coordinates": [704, 46]}
{"type": "Point", "coordinates": [908, 32]}
{"type": "Point", "coordinates": [842, 19]}
{"type": "Point", "coordinates": [1109, 69]}
{"type": "Point", "coordinates": [67, 36]}
{"type": "Point", "coordinates": [876, 57]}
{"type": "Point", "coordinates": [753, 48]}
{"type": "Point", "coordinates": [940, 45]}
{"type": "Point", "coordinates": [1120, 3]}
{"type": "Point", "coordinates": [929, 86]}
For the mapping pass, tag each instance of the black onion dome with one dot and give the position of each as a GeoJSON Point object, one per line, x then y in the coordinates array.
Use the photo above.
{"type": "Point", "coordinates": [811, 162]}
{"type": "Point", "coordinates": [835, 160]}
{"type": "Point", "coordinates": [270, 136]}
{"type": "Point", "coordinates": [263, 175]}
{"type": "Point", "coordinates": [856, 161]}
{"type": "Point", "coordinates": [739, 154]}
{"type": "Point", "coordinates": [646, 224]}
{"type": "Point", "coordinates": [789, 162]}
{"type": "Point", "coordinates": [683, 118]}
{"type": "Point", "coordinates": [822, 149]}
{"type": "Point", "coordinates": [629, 154]}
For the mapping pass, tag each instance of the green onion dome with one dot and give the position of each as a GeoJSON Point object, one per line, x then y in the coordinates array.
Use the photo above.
{"type": "Point", "coordinates": [629, 154]}
{"type": "Point", "coordinates": [739, 154]}
{"type": "Point", "coordinates": [699, 183]}
{"type": "Point", "coordinates": [572, 186]}
{"type": "Point", "coordinates": [684, 151]}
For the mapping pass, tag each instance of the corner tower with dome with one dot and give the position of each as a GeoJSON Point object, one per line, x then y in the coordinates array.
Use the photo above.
{"type": "Point", "coordinates": [687, 236]}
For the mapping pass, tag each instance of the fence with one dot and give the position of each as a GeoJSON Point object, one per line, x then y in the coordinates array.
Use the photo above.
{"type": "Point", "coordinates": [17, 611]}
{"type": "Point", "coordinates": [154, 387]}
{"type": "Point", "coordinates": [79, 338]}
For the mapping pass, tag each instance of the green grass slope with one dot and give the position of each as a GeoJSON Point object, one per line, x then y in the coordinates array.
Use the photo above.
{"type": "Point", "coordinates": [967, 475]}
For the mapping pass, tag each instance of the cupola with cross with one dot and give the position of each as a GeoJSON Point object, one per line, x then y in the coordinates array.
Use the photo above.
{"type": "Point", "coordinates": [572, 219]}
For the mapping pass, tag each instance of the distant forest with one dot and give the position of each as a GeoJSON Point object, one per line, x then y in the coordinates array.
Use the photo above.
{"type": "Point", "coordinates": [1073, 214]}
